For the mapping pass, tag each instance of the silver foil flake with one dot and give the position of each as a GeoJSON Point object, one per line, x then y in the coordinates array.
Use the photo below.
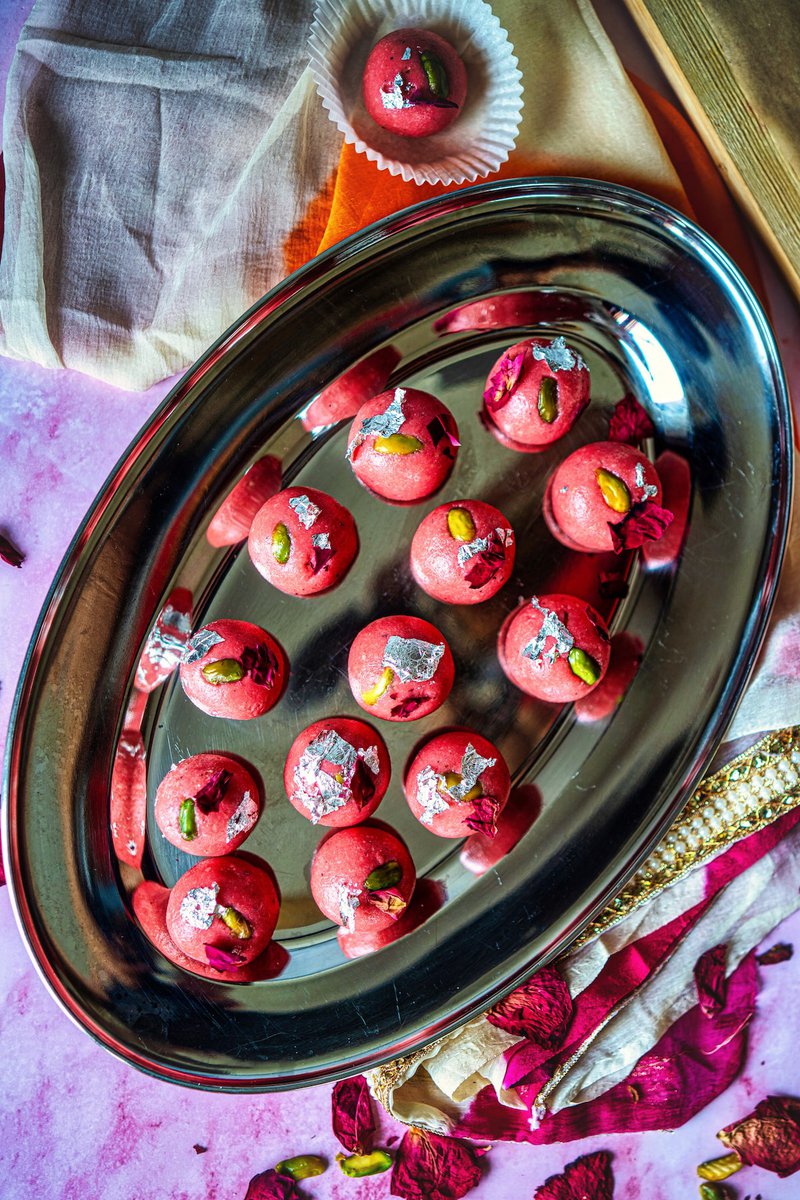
{"type": "Point", "coordinates": [406, 54]}
{"type": "Point", "coordinates": [429, 795]}
{"type": "Point", "coordinates": [322, 540]}
{"type": "Point", "coordinates": [394, 98]}
{"type": "Point", "coordinates": [348, 903]}
{"type": "Point", "coordinates": [199, 645]}
{"type": "Point", "coordinates": [199, 906]}
{"type": "Point", "coordinates": [465, 553]}
{"type": "Point", "coordinates": [369, 757]}
{"type": "Point", "coordinates": [243, 819]}
{"type": "Point", "coordinates": [318, 792]}
{"type": "Point", "coordinates": [551, 628]}
{"type": "Point", "coordinates": [558, 355]}
{"type": "Point", "coordinates": [411, 659]}
{"type": "Point", "coordinates": [305, 509]}
{"type": "Point", "coordinates": [648, 489]}
{"type": "Point", "coordinates": [383, 424]}
{"type": "Point", "coordinates": [472, 767]}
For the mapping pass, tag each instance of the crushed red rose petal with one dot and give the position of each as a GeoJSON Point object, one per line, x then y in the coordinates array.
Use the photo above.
{"type": "Point", "coordinates": [406, 707]}
{"type": "Point", "coordinates": [437, 428]}
{"type": "Point", "coordinates": [710, 981]}
{"type": "Point", "coordinates": [260, 664]}
{"type": "Point", "coordinates": [587, 1178]}
{"type": "Point", "coordinates": [780, 952]}
{"type": "Point", "coordinates": [390, 901]}
{"type": "Point", "coordinates": [198, 1149]}
{"type": "Point", "coordinates": [483, 818]}
{"type": "Point", "coordinates": [646, 521]}
{"type": "Point", "coordinates": [222, 960]}
{"type": "Point", "coordinates": [768, 1137]}
{"type": "Point", "coordinates": [362, 785]}
{"type": "Point", "coordinates": [9, 552]}
{"type": "Point", "coordinates": [320, 555]}
{"type": "Point", "coordinates": [486, 563]}
{"type": "Point", "coordinates": [629, 422]}
{"type": "Point", "coordinates": [540, 1009]}
{"type": "Point", "coordinates": [503, 382]}
{"type": "Point", "coordinates": [269, 1185]}
{"type": "Point", "coordinates": [428, 1166]}
{"type": "Point", "coordinates": [211, 794]}
{"type": "Point", "coordinates": [352, 1116]}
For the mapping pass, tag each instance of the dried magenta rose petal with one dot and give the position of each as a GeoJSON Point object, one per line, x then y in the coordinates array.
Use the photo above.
{"type": "Point", "coordinates": [540, 1009]}
{"type": "Point", "coordinates": [483, 818]}
{"type": "Point", "coordinates": [768, 1137]}
{"type": "Point", "coordinates": [646, 521]}
{"type": "Point", "coordinates": [211, 794]}
{"type": "Point", "coordinates": [438, 430]}
{"type": "Point", "coordinates": [587, 1178]}
{"type": "Point", "coordinates": [503, 382]}
{"type": "Point", "coordinates": [320, 555]}
{"type": "Point", "coordinates": [780, 952]}
{"type": "Point", "coordinates": [486, 563]}
{"type": "Point", "coordinates": [351, 1114]}
{"type": "Point", "coordinates": [629, 422]}
{"type": "Point", "coordinates": [269, 1185]}
{"type": "Point", "coordinates": [222, 960]}
{"type": "Point", "coordinates": [709, 978]}
{"type": "Point", "coordinates": [406, 707]}
{"type": "Point", "coordinates": [9, 552]}
{"type": "Point", "coordinates": [429, 1166]}
{"type": "Point", "coordinates": [260, 664]}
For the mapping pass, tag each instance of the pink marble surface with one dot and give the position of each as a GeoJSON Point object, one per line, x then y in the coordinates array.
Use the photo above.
{"type": "Point", "coordinates": [77, 1124]}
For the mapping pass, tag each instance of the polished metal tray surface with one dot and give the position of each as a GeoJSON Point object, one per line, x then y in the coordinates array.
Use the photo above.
{"type": "Point", "coordinates": [657, 310]}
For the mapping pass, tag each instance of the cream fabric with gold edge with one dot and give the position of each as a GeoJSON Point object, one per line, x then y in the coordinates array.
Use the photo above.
{"type": "Point", "coordinates": [157, 157]}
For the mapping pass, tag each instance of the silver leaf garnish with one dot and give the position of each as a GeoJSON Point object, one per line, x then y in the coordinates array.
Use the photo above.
{"type": "Point", "coordinates": [319, 792]}
{"type": "Point", "coordinates": [348, 903]}
{"type": "Point", "coordinates": [199, 906]}
{"type": "Point", "coordinates": [369, 756]}
{"type": "Point", "coordinates": [394, 98]}
{"type": "Point", "coordinates": [558, 355]}
{"type": "Point", "coordinates": [305, 509]}
{"type": "Point", "coordinates": [382, 424]}
{"type": "Point", "coordinates": [412, 659]}
{"type": "Point", "coordinates": [243, 819]}
{"type": "Point", "coordinates": [429, 795]}
{"type": "Point", "coordinates": [406, 55]}
{"type": "Point", "coordinates": [648, 489]}
{"type": "Point", "coordinates": [551, 628]}
{"type": "Point", "coordinates": [199, 645]}
{"type": "Point", "coordinates": [468, 551]}
{"type": "Point", "coordinates": [322, 540]}
{"type": "Point", "coordinates": [472, 767]}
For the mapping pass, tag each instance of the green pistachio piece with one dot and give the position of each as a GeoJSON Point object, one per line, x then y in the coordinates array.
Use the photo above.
{"type": "Point", "coordinates": [615, 492]}
{"type": "Point", "coordinates": [187, 820]}
{"type": "Point", "coordinates": [435, 73]}
{"type": "Point", "coordinates": [302, 1166]}
{"type": "Point", "coordinates": [281, 543]}
{"type": "Point", "coordinates": [720, 1168]}
{"type": "Point", "coordinates": [356, 1166]}
{"type": "Point", "coordinates": [224, 670]}
{"type": "Point", "coordinates": [373, 694]}
{"type": "Point", "coordinates": [397, 443]}
{"type": "Point", "coordinates": [547, 403]}
{"type": "Point", "coordinates": [713, 1191]}
{"type": "Point", "coordinates": [460, 525]}
{"type": "Point", "coordinates": [583, 665]}
{"type": "Point", "coordinates": [385, 876]}
{"type": "Point", "coordinates": [238, 925]}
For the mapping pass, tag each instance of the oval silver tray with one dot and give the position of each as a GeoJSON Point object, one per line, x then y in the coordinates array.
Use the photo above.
{"type": "Point", "coordinates": [656, 309]}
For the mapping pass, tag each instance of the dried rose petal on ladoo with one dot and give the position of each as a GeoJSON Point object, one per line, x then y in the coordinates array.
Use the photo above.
{"type": "Point", "coordinates": [233, 669]}
{"type": "Point", "coordinates": [166, 641]}
{"type": "Point", "coordinates": [536, 391]}
{"type": "Point", "coordinates": [207, 804]}
{"type": "Point", "coordinates": [428, 898]}
{"type": "Point", "coordinates": [337, 772]}
{"type": "Point", "coordinates": [400, 668]}
{"type": "Point", "coordinates": [458, 784]}
{"type": "Point", "coordinates": [463, 552]}
{"type": "Point", "coordinates": [403, 444]}
{"type": "Point", "coordinates": [414, 83]}
{"type": "Point", "coordinates": [479, 852]}
{"type": "Point", "coordinates": [223, 909]}
{"type": "Point", "coordinates": [363, 877]}
{"type": "Point", "coordinates": [555, 648]}
{"type": "Point", "coordinates": [605, 496]}
{"type": "Point", "coordinates": [303, 541]}
{"type": "Point", "coordinates": [232, 520]}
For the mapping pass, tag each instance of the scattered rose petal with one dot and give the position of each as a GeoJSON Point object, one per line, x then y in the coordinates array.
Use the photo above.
{"type": "Point", "coordinates": [269, 1185]}
{"type": "Point", "coordinates": [211, 794]}
{"type": "Point", "coordinates": [260, 664]}
{"type": "Point", "coordinates": [768, 1137]}
{"type": "Point", "coordinates": [9, 552]}
{"type": "Point", "coordinates": [431, 1167]}
{"type": "Point", "coordinates": [612, 586]}
{"type": "Point", "coordinates": [437, 428]}
{"type": "Point", "coordinates": [351, 1114]}
{"type": "Point", "coordinates": [198, 1149]}
{"type": "Point", "coordinates": [222, 960]}
{"type": "Point", "coordinates": [629, 422]}
{"type": "Point", "coordinates": [406, 707]}
{"type": "Point", "coordinates": [362, 785]}
{"type": "Point", "coordinates": [320, 556]}
{"type": "Point", "coordinates": [483, 818]}
{"type": "Point", "coordinates": [709, 978]}
{"type": "Point", "coordinates": [645, 521]}
{"type": "Point", "coordinates": [780, 952]}
{"type": "Point", "coordinates": [540, 1009]}
{"type": "Point", "coordinates": [587, 1178]}
{"type": "Point", "coordinates": [390, 901]}
{"type": "Point", "coordinates": [503, 382]}
{"type": "Point", "coordinates": [486, 563]}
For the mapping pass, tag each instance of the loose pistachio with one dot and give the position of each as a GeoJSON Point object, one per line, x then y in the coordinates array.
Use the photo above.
{"type": "Point", "coordinates": [384, 876]}
{"type": "Point", "coordinates": [281, 543]}
{"type": "Point", "coordinates": [224, 670]}
{"type": "Point", "coordinates": [187, 820]}
{"type": "Point", "coordinates": [373, 694]}
{"type": "Point", "coordinates": [435, 73]}
{"type": "Point", "coordinates": [615, 491]}
{"type": "Point", "coordinates": [720, 1168]}
{"type": "Point", "coordinates": [713, 1191]}
{"type": "Point", "coordinates": [397, 443]}
{"type": "Point", "coordinates": [547, 403]}
{"type": "Point", "coordinates": [356, 1166]}
{"type": "Point", "coordinates": [583, 665]}
{"type": "Point", "coordinates": [302, 1166]}
{"type": "Point", "coordinates": [452, 779]}
{"type": "Point", "coordinates": [460, 525]}
{"type": "Point", "coordinates": [238, 924]}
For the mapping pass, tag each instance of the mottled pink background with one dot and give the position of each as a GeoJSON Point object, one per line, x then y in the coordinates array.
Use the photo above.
{"type": "Point", "coordinates": [77, 1124]}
